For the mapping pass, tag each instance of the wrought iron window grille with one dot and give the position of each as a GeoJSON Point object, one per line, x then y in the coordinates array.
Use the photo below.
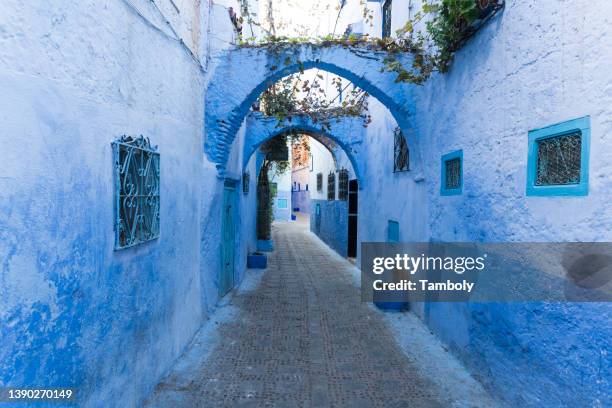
{"type": "Point", "coordinates": [487, 9]}
{"type": "Point", "coordinates": [246, 181]}
{"type": "Point", "coordinates": [558, 160]}
{"type": "Point", "coordinates": [331, 186]}
{"type": "Point", "coordinates": [401, 153]}
{"type": "Point", "coordinates": [452, 168]}
{"type": "Point", "coordinates": [319, 181]}
{"type": "Point", "coordinates": [137, 195]}
{"type": "Point", "coordinates": [386, 16]}
{"type": "Point", "coordinates": [343, 181]}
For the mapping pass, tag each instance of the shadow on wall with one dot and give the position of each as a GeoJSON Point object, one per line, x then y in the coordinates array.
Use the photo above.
{"type": "Point", "coordinates": [329, 221]}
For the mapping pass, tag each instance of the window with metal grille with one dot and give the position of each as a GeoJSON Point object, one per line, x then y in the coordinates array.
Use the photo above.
{"type": "Point", "coordinates": [452, 173]}
{"type": "Point", "coordinates": [136, 174]}
{"type": "Point", "coordinates": [343, 181]}
{"type": "Point", "coordinates": [331, 186]}
{"type": "Point", "coordinates": [246, 180]}
{"type": "Point", "coordinates": [558, 159]}
{"type": "Point", "coordinates": [319, 181]}
{"type": "Point", "coordinates": [401, 154]}
{"type": "Point", "coordinates": [386, 15]}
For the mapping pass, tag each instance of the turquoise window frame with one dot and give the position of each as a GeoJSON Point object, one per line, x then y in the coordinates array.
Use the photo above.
{"type": "Point", "coordinates": [457, 154]}
{"type": "Point", "coordinates": [582, 124]}
{"type": "Point", "coordinates": [393, 231]}
{"type": "Point", "coordinates": [283, 203]}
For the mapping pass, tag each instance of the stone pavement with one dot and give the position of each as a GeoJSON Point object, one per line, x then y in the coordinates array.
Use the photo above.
{"type": "Point", "coordinates": [301, 338]}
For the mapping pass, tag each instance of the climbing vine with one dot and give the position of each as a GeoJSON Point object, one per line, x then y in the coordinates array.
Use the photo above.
{"type": "Point", "coordinates": [431, 37]}
{"type": "Point", "coordinates": [445, 26]}
{"type": "Point", "coordinates": [297, 95]}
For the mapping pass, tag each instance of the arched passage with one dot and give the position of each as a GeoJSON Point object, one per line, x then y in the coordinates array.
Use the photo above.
{"type": "Point", "coordinates": [347, 132]}
{"type": "Point", "coordinates": [246, 72]}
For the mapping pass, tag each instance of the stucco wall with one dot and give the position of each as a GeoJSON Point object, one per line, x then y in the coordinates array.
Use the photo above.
{"type": "Point", "coordinates": [73, 311]}
{"type": "Point", "coordinates": [301, 200]}
{"type": "Point", "coordinates": [504, 82]}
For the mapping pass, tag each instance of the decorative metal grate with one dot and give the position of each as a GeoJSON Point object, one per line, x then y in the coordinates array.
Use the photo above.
{"type": "Point", "coordinates": [331, 186]}
{"type": "Point", "coordinates": [386, 15]}
{"type": "Point", "coordinates": [136, 191]}
{"type": "Point", "coordinates": [401, 154]}
{"type": "Point", "coordinates": [452, 170]}
{"type": "Point", "coordinates": [319, 181]}
{"type": "Point", "coordinates": [558, 160]}
{"type": "Point", "coordinates": [246, 181]}
{"type": "Point", "coordinates": [343, 181]}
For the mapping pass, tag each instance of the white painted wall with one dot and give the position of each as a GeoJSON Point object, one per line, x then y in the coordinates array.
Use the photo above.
{"type": "Point", "coordinates": [283, 192]}
{"type": "Point", "coordinates": [324, 163]}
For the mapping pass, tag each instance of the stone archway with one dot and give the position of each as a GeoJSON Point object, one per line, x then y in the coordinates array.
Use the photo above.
{"type": "Point", "coordinates": [347, 132]}
{"type": "Point", "coordinates": [246, 72]}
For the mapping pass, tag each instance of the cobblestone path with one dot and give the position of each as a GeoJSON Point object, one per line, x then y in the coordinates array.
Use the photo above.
{"type": "Point", "coordinates": [301, 339]}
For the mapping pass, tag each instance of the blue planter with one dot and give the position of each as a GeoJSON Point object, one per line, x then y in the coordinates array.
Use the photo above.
{"type": "Point", "coordinates": [392, 306]}
{"type": "Point", "coordinates": [257, 261]}
{"type": "Point", "coordinates": [293, 217]}
{"type": "Point", "coordinates": [265, 245]}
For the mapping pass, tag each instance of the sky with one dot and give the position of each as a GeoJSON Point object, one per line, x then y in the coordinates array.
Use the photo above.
{"type": "Point", "coordinates": [295, 18]}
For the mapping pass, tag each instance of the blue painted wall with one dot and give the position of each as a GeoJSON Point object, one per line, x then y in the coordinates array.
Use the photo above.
{"type": "Point", "coordinates": [282, 214]}
{"type": "Point", "coordinates": [301, 200]}
{"type": "Point", "coordinates": [74, 312]}
{"type": "Point", "coordinates": [334, 223]}
{"type": "Point", "coordinates": [532, 354]}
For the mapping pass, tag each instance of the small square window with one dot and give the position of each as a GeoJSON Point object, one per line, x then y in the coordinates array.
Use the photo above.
{"type": "Point", "coordinates": [282, 203]}
{"type": "Point", "coordinates": [451, 182]}
{"type": "Point", "coordinates": [558, 159]}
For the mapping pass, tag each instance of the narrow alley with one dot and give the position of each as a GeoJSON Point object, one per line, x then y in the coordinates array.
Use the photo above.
{"type": "Point", "coordinates": [331, 203]}
{"type": "Point", "coordinates": [300, 336]}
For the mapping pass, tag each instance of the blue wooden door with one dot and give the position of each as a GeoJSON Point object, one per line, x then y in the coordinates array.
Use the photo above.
{"type": "Point", "coordinates": [226, 278]}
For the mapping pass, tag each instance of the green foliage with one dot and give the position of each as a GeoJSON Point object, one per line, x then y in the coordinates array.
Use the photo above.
{"type": "Point", "coordinates": [446, 26]}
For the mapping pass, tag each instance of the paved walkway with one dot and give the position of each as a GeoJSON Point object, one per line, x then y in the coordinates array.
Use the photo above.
{"type": "Point", "coordinates": [300, 337]}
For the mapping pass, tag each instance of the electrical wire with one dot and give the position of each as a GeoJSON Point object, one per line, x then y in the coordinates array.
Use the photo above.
{"type": "Point", "coordinates": [154, 26]}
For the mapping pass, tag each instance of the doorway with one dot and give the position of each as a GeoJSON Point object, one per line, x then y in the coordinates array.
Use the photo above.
{"type": "Point", "coordinates": [352, 219]}
{"type": "Point", "coordinates": [226, 278]}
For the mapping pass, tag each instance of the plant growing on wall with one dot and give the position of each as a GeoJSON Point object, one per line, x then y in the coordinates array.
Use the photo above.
{"type": "Point", "coordinates": [277, 160]}
{"type": "Point", "coordinates": [447, 25]}
{"type": "Point", "coordinates": [294, 95]}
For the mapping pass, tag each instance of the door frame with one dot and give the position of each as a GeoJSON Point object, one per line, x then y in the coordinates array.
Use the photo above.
{"type": "Point", "coordinates": [353, 217]}
{"type": "Point", "coordinates": [230, 192]}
